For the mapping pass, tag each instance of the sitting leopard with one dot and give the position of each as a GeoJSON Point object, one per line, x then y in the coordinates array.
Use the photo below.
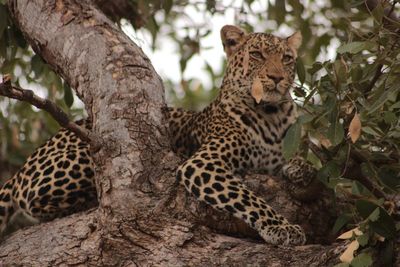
{"type": "Point", "coordinates": [56, 180]}
{"type": "Point", "coordinates": [240, 131]}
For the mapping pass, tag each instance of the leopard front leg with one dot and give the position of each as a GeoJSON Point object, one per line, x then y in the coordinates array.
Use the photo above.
{"type": "Point", "coordinates": [209, 178]}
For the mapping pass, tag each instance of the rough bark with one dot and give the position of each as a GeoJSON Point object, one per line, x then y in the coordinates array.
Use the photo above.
{"type": "Point", "coordinates": [144, 217]}
{"type": "Point", "coordinates": [117, 9]}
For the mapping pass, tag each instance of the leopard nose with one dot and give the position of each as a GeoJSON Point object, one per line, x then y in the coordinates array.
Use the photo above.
{"type": "Point", "coordinates": [275, 78]}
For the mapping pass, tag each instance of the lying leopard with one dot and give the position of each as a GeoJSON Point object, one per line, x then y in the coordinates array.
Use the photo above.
{"type": "Point", "coordinates": [241, 130]}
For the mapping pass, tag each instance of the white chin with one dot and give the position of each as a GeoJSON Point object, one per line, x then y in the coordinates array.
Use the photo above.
{"type": "Point", "coordinates": [272, 97]}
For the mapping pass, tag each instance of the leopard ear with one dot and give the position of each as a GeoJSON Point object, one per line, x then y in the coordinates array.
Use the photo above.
{"type": "Point", "coordinates": [294, 41]}
{"type": "Point", "coordinates": [231, 37]}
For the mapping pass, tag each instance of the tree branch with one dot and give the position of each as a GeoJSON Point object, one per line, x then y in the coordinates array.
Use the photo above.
{"type": "Point", "coordinates": [353, 171]}
{"type": "Point", "coordinates": [390, 15]}
{"type": "Point", "coordinates": [15, 92]}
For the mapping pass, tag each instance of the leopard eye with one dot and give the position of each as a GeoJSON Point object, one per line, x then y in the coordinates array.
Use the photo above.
{"type": "Point", "coordinates": [287, 59]}
{"type": "Point", "coordinates": [256, 55]}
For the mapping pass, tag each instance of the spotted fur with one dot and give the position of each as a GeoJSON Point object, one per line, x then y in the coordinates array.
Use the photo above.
{"type": "Point", "coordinates": [235, 134]}
{"type": "Point", "coordinates": [56, 180]}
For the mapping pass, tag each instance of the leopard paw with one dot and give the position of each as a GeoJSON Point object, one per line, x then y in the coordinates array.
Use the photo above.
{"type": "Point", "coordinates": [299, 172]}
{"type": "Point", "coordinates": [304, 184]}
{"type": "Point", "coordinates": [286, 234]}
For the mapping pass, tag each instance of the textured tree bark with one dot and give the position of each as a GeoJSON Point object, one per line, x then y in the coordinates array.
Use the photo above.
{"type": "Point", "coordinates": [144, 217]}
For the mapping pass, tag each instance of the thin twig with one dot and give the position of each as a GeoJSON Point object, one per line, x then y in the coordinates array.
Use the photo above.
{"type": "Point", "coordinates": [390, 15]}
{"type": "Point", "coordinates": [317, 151]}
{"type": "Point", "coordinates": [357, 174]}
{"type": "Point", "coordinates": [8, 90]}
{"type": "Point", "coordinates": [378, 74]}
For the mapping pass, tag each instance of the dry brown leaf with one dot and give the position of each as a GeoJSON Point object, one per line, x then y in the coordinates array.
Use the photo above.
{"type": "Point", "coordinates": [344, 64]}
{"type": "Point", "coordinates": [6, 78]}
{"type": "Point", "coordinates": [348, 254]}
{"type": "Point", "coordinates": [323, 140]}
{"type": "Point", "coordinates": [257, 90]}
{"type": "Point", "coordinates": [379, 237]}
{"type": "Point", "coordinates": [355, 128]}
{"type": "Point", "coordinates": [348, 107]}
{"type": "Point", "coordinates": [349, 234]}
{"type": "Point", "coordinates": [15, 137]}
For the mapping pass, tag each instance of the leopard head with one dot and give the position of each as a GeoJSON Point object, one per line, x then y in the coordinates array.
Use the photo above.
{"type": "Point", "coordinates": [260, 58]}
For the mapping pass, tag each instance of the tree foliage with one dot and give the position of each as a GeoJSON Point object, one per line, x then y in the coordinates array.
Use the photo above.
{"type": "Point", "coordinates": [348, 91]}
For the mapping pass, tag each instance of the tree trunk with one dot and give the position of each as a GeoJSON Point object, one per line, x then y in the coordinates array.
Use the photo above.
{"type": "Point", "coordinates": [144, 217]}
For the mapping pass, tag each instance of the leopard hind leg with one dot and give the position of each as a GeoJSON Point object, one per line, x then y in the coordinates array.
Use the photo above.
{"type": "Point", "coordinates": [6, 204]}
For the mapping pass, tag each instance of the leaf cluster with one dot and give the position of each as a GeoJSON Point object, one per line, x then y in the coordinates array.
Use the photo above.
{"type": "Point", "coordinates": [350, 116]}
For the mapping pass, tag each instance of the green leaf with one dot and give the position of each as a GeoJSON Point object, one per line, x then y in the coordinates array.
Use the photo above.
{"type": "Point", "coordinates": [329, 171]}
{"type": "Point", "coordinates": [380, 221]}
{"type": "Point", "coordinates": [280, 11]}
{"type": "Point", "coordinates": [342, 264]}
{"type": "Point", "coordinates": [369, 130]}
{"type": "Point", "coordinates": [335, 131]}
{"type": "Point", "coordinates": [167, 6]}
{"type": "Point", "coordinates": [395, 106]}
{"type": "Point", "coordinates": [37, 65]}
{"type": "Point", "coordinates": [210, 5]}
{"type": "Point", "coordinates": [389, 117]}
{"type": "Point", "coordinates": [315, 67]}
{"type": "Point", "coordinates": [379, 102]}
{"type": "Point", "coordinates": [387, 253]}
{"type": "Point", "coordinates": [68, 97]}
{"type": "Point", "coordinates": [305, 118]}
{"type": "Point", "coordinates": [340, 70]}
{"type": "Point", "coordinates": [291, 141]}
{"type": "Point", "coordinates": [363, 239]}
{"type": "Point", "coordinates": [356, 73]}
{"type": "Point", "coordinates": [365, 208]}
{"type": "Point", "coordinates": [389, 177]}
{"type": "Point", "coordinates": [374, 216]}
{"type": "Point", "coordinates": [341, 221]}
{"type": "Point", "coordinates": [359, 189]}
{"type": "Point", "coordinates": [362, 260]}
{"type": "Point", "coordinates": [19, 38]}
{"type": "Point", "coordinates": [301, 72]}
{"type": "Point", "coordinates": [355, 47]}
{"type": "Point", "coordinates": [377, 12]}
{"type": "Point", "coordinates": [153, 28]}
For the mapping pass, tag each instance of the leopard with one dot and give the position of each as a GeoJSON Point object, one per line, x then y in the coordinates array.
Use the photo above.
{"type": "Point", "coordinates": [55, 181]}
{"type": "Point", "coordinates": [242, 131]}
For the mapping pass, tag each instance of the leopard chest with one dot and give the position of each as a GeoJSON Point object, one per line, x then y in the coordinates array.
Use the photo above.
{"type": "Point", "coordinates": [261, 133]}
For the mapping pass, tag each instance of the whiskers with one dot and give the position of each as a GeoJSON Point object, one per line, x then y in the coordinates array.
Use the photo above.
{"type": "Point", "coordinates": [242, 90]}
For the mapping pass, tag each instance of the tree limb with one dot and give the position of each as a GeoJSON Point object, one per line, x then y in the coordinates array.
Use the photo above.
{"type": "Point", "coordinates": [15, 92]}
